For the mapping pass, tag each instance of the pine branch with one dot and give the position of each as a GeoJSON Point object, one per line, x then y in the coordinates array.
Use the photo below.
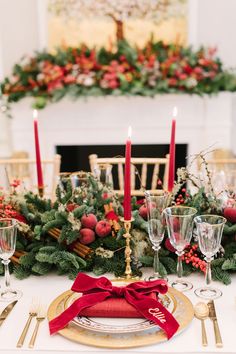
{"type": "Point", "coordinates": [21, 272]}
{"type": "Point", "coordinates": [41, 268]}
{"type": "Point", "coordinates": [221, 275]}
{"type": "Point", "coordinates": [169, 264]}
{"type": "Point", "coordinates": [229, 264]}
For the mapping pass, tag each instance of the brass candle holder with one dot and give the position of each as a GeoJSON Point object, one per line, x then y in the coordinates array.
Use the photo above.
{"type": "Point", "coordinates": [41, 191]}
{"type": "Point", "coordinates": [128, 251]}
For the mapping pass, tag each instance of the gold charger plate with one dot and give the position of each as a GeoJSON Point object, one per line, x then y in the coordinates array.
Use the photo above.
{"type": "Point", "coordinates": [184, 314]}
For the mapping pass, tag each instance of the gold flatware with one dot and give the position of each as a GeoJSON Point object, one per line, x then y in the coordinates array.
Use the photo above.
{"type": "Point", "coordinates": [32, 313]}
{"type": "Point", "coordinates": [213, 317]}
{"type": "Point", "coordinates": [40, 317]}
{"type": "Point", "coordinates": [6, 311]}
{"type": "Point", "coordinates": [201, 312]}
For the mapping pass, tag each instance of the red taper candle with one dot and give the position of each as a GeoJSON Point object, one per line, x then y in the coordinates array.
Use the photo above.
{"type": "Point", "coordinates": [37, 150]}
{"type": "Point", "coordinates": [171, 176]}
{"type": "Point", "coordinates": [127, 189]}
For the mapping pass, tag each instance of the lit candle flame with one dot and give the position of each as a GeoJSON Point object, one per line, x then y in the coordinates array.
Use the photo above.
{"type": "Point", "coordinates": [175, 112]}
{"type": "Point", "coordinates": [35, 114]}
{"type": "Point", "coordinates": [129, 132]}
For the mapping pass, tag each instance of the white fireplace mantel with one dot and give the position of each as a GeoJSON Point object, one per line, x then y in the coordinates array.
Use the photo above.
{"type": "Point", "coordinates": [201, 122]}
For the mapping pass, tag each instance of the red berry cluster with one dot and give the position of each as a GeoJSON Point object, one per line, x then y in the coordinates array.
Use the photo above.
{"type": "Point", "coordinates": [192, 257]}
{"type": "Point", "coordinates": [8, 211]}
{"type": "Point", "coordinates": [15, 183]}
{"type": "Point", "coordinates": [181, 197]}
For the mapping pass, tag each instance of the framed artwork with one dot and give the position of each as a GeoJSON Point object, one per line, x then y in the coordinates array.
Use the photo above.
{"type": "Point", "coordinates": [65, 28]}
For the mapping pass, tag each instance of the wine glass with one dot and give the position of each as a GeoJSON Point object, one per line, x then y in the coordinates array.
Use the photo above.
{"type": "Point", "coordinates": [156, 227]}
{"type": "Point", "coordinates": [209, 231]}
{"type": "Point", "coordinates": [103, 172]}
{"type": "Point", "coordinates": [7, 249]}
{"type": "Point", "coordinates": [179, 222]}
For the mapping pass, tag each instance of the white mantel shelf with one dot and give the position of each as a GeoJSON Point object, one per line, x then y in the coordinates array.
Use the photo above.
{"type": "Point", "coordinates": [201, 122]}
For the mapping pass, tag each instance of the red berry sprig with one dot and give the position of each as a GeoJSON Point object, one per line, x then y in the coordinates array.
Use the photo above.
{"type": "Point", "coordinates": [191, 257]}
{"type": "Point", "coordinates": [182, 196]}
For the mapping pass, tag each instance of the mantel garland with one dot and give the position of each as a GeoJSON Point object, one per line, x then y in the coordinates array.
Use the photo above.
{"type": "Point", "coordinates": [119, 70]}
{"type": "Point", "coordinates": [81, 230]}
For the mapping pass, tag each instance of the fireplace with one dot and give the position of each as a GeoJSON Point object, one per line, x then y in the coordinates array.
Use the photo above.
{"type": "Point", "coordinates": [103, 121]}
{"type": "Point", "coordinates": [75, 157]}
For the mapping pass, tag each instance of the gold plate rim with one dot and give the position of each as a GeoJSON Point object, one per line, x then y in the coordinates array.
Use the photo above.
{"type": "Point", "coordinates": [106, 341]}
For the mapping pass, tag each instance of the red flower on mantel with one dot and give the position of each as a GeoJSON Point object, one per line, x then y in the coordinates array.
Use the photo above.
{"type": "Point", "coordinates": [156, 68]}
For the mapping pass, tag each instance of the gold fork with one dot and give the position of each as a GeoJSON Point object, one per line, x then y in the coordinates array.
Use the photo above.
{"type": "Point", "coordinates": [32, 313]}
{"type": "Point", "coordinates": [40, 317]}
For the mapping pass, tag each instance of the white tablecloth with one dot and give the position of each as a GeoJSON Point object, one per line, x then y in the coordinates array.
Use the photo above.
{"type": "Point", "coordinates": [47, 288]}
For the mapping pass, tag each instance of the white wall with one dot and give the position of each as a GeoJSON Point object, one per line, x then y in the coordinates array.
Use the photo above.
{"type": "Point", "coordinates": [216, 26]}
{"type": "Point", "coordinates": [18, 31]}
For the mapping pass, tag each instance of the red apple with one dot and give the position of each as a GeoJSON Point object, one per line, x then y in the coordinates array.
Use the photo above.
{"type": "Point", "coordinates": [87, 236]}
{"type": "Point", "coordinates": [71, 206]}
{"type": "Point", "coordinates": [89, 221]}
{"type": "Point", "coordinates": [103, 228]}
{"type": "Point", "coordinates": [143, 210]}
{"type": "Point", "coordinates": [230, 214]}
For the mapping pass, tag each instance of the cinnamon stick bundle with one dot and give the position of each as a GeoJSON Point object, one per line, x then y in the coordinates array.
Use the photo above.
{"type": "Point", "coordinates": [77, 247]}
{"type": "Point", "coordinates": [16, 256]}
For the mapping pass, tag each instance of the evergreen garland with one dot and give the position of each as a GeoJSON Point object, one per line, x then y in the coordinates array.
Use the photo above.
{"type": "Point", "coordinates": [156, 68]}
{"type": "Point", "coordinates": [43, 253]}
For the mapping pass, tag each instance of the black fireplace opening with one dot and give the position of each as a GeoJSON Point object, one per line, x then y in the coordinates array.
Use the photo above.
{"type": "Point", "coordinates": [76, 157]}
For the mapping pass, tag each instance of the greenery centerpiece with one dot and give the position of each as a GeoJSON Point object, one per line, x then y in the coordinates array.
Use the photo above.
{"type": "Point", "coordinates": [81, 230]}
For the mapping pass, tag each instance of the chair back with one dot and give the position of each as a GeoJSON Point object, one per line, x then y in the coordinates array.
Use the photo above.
{"type": "Point", "coordinates": [218, 160]}
{"type": "Point", "coordinates": [141, 169]}
{"type": "Point", "coordinates": [24, 170]}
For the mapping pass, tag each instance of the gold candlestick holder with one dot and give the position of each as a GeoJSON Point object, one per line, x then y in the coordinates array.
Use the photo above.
{"type": "Point", "coordinates": [41, 191]}
{"type": "Point", "coordinates": [128, 251]}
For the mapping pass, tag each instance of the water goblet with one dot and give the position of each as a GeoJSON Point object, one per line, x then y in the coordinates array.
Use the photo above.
{"type": "Point", "coordinates": [103, 172]}
{"type": "Point", "coordinates": [7, 248]}
{"type": "Point", "coordinates": [209, 231]}
{"type": "Point", "coordinates": [156, 227]}
{"type": "Point", "coordinates": [179, 222]}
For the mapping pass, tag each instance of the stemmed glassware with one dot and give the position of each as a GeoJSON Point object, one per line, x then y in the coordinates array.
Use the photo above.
{"type": "Point", "coordinates": [209, 231]}
{"type": "Point", "coordinates": [179, 222]}
{"type": "Point", "coordinates": [77, 179]}
{"type": "Point", "coordinates": [156, 226]}
{"type": "Point", "coordinates": [7, 248]}
{"type": "Point", "coordinates": [103, 172]}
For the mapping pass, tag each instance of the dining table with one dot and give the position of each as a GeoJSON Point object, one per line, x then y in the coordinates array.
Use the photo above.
{"type": "Point", "coordinates": [47, 288]}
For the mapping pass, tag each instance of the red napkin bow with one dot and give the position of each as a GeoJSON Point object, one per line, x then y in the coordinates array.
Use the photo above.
{"type": "Point", "coordinates": [96, 290]}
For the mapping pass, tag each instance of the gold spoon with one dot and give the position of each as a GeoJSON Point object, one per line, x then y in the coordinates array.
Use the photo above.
{"type": "Point", "coordinates": [201, 312]}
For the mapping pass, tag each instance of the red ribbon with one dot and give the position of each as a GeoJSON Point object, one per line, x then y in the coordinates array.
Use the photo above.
{"type": "Point", "coordinates": [96, 290]}
{"type": "Point", "coordinates": [111, 215]}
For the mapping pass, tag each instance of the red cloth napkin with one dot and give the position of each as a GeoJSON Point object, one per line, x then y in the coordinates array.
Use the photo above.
{"type": "Point", "coordinates": [98, 290]}
{"type": "Point", "coordinates": [114, 307]}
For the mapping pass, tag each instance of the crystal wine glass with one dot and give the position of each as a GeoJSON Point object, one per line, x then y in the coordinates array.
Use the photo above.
{"type": "Point", "coordinates": [156, 226]}
{"type": "Point", "coordinates": [179, 221]}
{"type": "Point", "coordinates": [209, 231]}
{"type": "Point", "coordinates": [7, 248]}
{"type": "Point", "coordinates": [103, 172]}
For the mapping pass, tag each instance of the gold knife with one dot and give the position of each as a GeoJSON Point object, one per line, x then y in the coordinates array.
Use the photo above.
{"type": "Point", "coordinates": [212, 315]}
{"type": "Point", "coordinates": [6, 312]}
